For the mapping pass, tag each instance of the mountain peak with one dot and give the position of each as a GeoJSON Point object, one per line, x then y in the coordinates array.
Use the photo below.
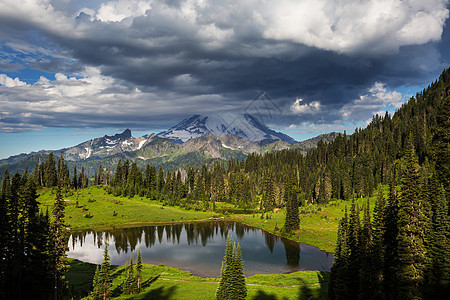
{"type": "Point", "coordinates": [126, 134]}
{"type": "Point", "coordinates": [243, 125]}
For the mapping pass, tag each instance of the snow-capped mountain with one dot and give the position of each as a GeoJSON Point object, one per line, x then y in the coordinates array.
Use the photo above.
{"type": "Point", "coordinates": [243, 125]}
{"type": "Point", "coordinates": [105, 146]}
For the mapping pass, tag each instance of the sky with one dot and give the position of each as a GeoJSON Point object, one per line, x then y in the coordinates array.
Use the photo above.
{"type": "Point", "coordinates": [73, 70]}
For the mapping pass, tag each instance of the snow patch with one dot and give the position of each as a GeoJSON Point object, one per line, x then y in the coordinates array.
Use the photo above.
{"type": "Point", "coordinates": [141, 143]}
{"type": "Point", "coordinates": [127, 143]}
{"type": "Point", "coordinates": [87, 154]}
{"type": "Point", "coordinates": [228, 147]}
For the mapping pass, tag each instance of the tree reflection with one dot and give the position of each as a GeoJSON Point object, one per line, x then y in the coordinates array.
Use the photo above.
{"type": "Point", "coordinates": [292, 250]}
{"type": "Point", "coordinates": [128, 239]}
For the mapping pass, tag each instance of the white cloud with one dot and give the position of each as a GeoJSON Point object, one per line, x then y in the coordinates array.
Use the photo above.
{"type": "Point", "coordinates": [308, 108]}
{"type": "Point", "coordinates": [375, 26]}
{"type": "Point", "coordinates": [10, 82]}
{"type": "Point", "coordinates": [116, 11]}
{"type": "Point", "coordinates": [376, 100]}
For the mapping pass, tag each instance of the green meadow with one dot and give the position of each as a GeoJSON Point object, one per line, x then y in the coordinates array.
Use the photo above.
{"type": "Point", "coordinates": [93, 208]}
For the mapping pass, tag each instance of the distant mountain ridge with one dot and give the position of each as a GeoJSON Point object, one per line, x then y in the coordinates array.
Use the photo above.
{"type": "Point", "coordinates": [197, 139]}
{"type": "Point", "coordinates": [243, 125]}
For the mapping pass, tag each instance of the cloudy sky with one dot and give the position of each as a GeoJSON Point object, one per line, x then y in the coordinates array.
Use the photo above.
{"type": "Point", "coordinates": [72, 70]}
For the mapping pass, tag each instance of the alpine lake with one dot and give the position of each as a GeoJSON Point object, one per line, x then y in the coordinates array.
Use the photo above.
{"type": "Point", "coordinates": [199, 248]}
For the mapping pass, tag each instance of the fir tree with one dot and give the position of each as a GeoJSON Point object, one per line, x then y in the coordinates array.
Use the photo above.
{"type": "Point", "coordinates": [95, 294]}
{"type": "Point", "coordinates": [239, 290]}
{"type": "Point", "coordinates": [105, 276]}
{"type": "Point", "coordinates": [338, 288]}
{"type": "Point", "coordinates": [60, 244]}
{"type": "Point", "coordinates": [138, 279]}
{"type": "Point", "coordinates": [128, 283]}
{"type": "Point", "coordinates": [412, 229]}
{"type": "Point", "coordinates": [292, 217]}
{"type": "Point", "coordinates": [353, 239]}
{"type": "Point", "coordinates": [223, 291]}
{"type": "Point", "coordinates": [390, 241]}
{"type": "Point", "coordinates": [439, 274]}
{"type": "Point", "coordinates": [378, 247]}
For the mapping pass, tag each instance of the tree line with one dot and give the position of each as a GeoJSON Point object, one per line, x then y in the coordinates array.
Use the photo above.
{"type": "Point", "coordinates": [32, 244]}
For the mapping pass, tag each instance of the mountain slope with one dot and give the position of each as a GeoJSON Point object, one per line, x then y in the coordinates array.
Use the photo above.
{"type": "Point", "coordinates": [243, 125]}
{"type": "Point", "coordinates": [105, 146]}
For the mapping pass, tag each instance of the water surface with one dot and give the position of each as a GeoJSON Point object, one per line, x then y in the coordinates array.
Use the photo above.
{"type": "Point", "coordinates": [199, 248]}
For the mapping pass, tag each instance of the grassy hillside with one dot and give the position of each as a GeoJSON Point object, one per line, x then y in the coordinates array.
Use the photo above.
{"type": "Point", "coordinates": [107, 210]}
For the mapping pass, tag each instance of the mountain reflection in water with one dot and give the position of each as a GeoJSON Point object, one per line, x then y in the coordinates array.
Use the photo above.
{"type": "Point", "coordinates": [199, 248]}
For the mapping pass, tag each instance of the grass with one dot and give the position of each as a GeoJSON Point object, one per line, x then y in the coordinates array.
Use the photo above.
{"type": "Point", "coordinates": [109, 211]}
{"type": "Point", "coordinates": [318, 223]}
{"type": "Point", "coordinates": [161, 282]}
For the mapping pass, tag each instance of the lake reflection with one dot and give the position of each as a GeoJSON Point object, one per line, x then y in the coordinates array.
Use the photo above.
{"type": "Point", "coordinates": [199, 248]}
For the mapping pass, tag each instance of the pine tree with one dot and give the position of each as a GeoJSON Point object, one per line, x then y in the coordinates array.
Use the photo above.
{"type": "Point", "coordinates": [105, 276]}
{"type": "Point", "coordinates": [438, 284]}
{"type": "Point", "coordinates": [390, 241]}
{"type": "Point", "coordinates": [75, 179]}
{"type": "Point", "coordinates": [223, 291]}
{"type": "Point", "coordinates": [353, 239]}
{"type": "Point", "coordinates": [378, 247]}
{"type": "Point", "coordinates": [338, 288]}
{"type": "Point", "coordinates": [60, 244]}
{"type": "Point", "coordinates": [365, 271]}
{"type": "Point", "coordinates": [95, 294]}
{"type": "Point", "coordinates": [292, 217]}
{"type": "Point", "coordinates": [138, 279]}
{"type": "Point", "coordinates": [232, 280]}
{"type": "Point", "coordinates": [128, 283]}
{"type": "Point", "coordinates": [50, 175]}
{"type": "Point", "coordinates": [239, 288]}
{"type": "Point", "coordinates": [412, 229]}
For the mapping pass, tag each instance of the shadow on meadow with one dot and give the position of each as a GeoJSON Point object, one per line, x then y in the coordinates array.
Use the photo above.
{"type": "Point", "coordinates": [305, 292]}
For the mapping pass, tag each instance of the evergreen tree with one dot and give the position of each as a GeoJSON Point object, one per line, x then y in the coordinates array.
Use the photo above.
{"type": "Point", "coordinates": [353, 243]}
{"type": "Point", "coordinates": [50, 175]}
{"type": "Point", "coordinates": [378, 247]}
{"type": "Point", "coordinates": [75, 179]}
{"type": "Point", "coordinates": [60, 244]}
{"type": "Point", "coordinates": [105, 276]}
{"type": "Point", "coordinates": [438, 284]}
{"type": "Point", "coordinates": [239, 290]}
{"type": "Point", "coordinates": [128, 283]}
{"type": "Point", "coordinates": [412, 229]}
{"type": "Point", "coordinates": [390, 241]}
{"type": "Point", "coordinates": [365, 272]}
{"type": "Point", "coordinates": [292, 217]}
{"type": "Point", "coordinates": [138, 279]}
{"type": "Point", "coordinates": [95, 294]}
{"type": "Point", "coordinates": [338, 288]}
{"type": "Point", "coordinates": [223, 291]}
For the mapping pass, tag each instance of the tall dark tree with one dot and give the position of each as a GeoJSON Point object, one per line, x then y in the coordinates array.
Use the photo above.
{"type": "Point", "coordinates": [49, 170]}
{"type": "Point", "coordinates": [60, 245]}
{"type": "Point", "coordinates": [438, 283]}
{"type": "Point", "coordinates": [232, 281]}
{"type": "Point", "coordinates": [378, 247]}
{"type": "Point", "coordinates": [412, 229]}
{"type": "Point", "coordinates": [292, 216]}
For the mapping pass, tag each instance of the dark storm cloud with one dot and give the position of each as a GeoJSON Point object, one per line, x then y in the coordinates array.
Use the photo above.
{"type": "Point", "coordinates": [153, 63]}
